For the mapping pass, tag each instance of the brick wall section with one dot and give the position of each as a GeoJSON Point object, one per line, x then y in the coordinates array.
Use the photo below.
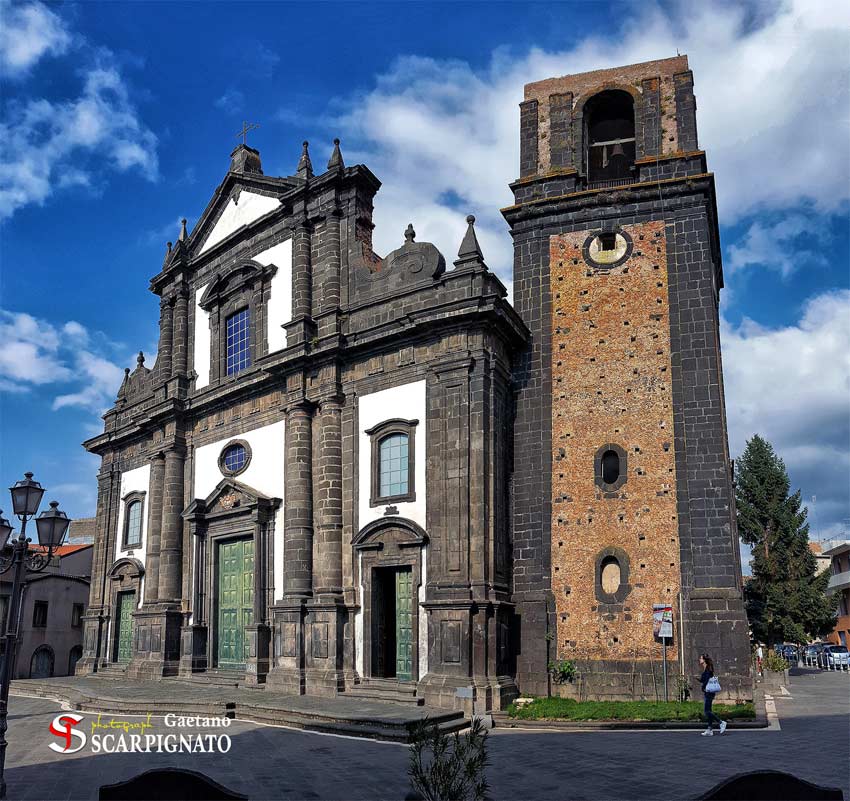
{"type": "Point", "coordinates": [528, 138]}
{"type": "Point", "coordinates": [611, 374]}
{"type": "Point", "coordinates": [560, 131]}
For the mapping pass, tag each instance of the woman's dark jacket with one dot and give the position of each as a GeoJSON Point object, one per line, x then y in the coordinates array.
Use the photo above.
{"type": "Point", "coordinates": [703, 679]}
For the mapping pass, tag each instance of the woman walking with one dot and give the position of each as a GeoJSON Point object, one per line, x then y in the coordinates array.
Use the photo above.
{"type": "Point", "coordinates": [710, 687]}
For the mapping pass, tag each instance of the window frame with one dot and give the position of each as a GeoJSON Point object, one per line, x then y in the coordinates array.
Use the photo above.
{"type": "Point", "coordinates": [379, 433]}
{"type": "Point", "coordinates": [610, 490]}
{"type": "Point", "coordinates": [77, 612]}
{"type": "Point", "coordinates": [223, 469]}
{"type": "Point", "coordinates": [129, 499]}
{"type": "Point", "coordinates": [624, 588]}
{"type": "Point", "coordinates": [37, 606]}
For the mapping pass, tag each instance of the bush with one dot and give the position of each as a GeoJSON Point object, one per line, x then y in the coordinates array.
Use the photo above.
{"type": "Point", "coordinates": [457, 767]}
{"type": "Point", "coordinates": [775, 662]}
{"type": "Point", "coordinates": [570, 709]}
{"type": "Point", "coordinates": [563, 671]}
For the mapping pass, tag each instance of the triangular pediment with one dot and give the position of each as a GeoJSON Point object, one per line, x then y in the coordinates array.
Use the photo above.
{"type": "Point", "coordinates": [239, 202]}
{"type": "Point", "coordinates": [229, 496]}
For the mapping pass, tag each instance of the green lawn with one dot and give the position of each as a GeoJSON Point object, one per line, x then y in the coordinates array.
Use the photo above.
{"type": "Point", "coordinates": [570, 709]}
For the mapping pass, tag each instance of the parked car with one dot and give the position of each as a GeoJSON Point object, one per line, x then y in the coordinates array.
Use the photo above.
{"type": "Point", "coordinates": [811, 653]}
{"type": "Point", "coordinates": [788, 651]}
{"type": "Point", "coordinates": [836, 656]}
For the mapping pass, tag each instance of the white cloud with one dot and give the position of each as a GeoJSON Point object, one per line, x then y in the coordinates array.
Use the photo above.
{"type": "Point", "coordinates": [37, 354]}
{"type": "Point", "coordinates": [28, 32]}
{"type": "Point", "coordinates": [773, 117]}
{"type": "Point", "coordinates": [773, 246]}
{"type": "Point", "coordinates": [231, 100]}
{"type": "Point", "coordinates": [792, 386]}
{"type": "Point", "coordinates": [57, 144]}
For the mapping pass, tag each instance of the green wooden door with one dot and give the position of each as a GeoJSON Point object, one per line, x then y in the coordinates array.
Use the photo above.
{"type": "Point", "coordinates": [235, 601]}
{"type": "Point", "coordinates": [404, 625]}
{"type": "Point", "coordinates": [124, 623]}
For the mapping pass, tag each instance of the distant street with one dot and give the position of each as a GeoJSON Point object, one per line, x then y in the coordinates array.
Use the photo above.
{"type": "Point", "coordinates": [812, 741]}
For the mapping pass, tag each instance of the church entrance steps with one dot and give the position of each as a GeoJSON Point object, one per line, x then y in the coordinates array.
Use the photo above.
{"type": "Point", "coordinates": [217, 678]}
{"type": "Point", "coordinates": [399, 692]}
{"type": "Point", "coordinates": [344, 715]}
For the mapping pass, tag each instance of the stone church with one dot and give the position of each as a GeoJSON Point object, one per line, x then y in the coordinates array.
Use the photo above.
{"type": "Point", "coordinates": [348, 473]}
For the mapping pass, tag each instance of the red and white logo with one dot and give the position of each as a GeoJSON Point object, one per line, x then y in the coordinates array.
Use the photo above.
{"type": "Point", "coordinates": [63, 727]}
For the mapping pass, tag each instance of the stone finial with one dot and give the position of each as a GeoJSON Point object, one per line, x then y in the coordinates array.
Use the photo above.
{"type": "Point", "coordinates": [140, 360]}
{"type": "Point", "coordinates": [336, 157]}
{"type": "Point", "coordinates": [305, 166]}
{"type": "Point", "coordinates": [122, 390]}
{"type": "Point", "coordinates": [168, 245]}
{"type": "Point", "coordinates": [469, 254]}
{"type": "Point", "coordinates": [184, 234]}
{"type": "Point", "coordinates": [409, 233]}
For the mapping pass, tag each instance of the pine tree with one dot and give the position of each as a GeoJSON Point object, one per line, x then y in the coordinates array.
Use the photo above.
{"type": "Point", "coordinates": [786, 599]}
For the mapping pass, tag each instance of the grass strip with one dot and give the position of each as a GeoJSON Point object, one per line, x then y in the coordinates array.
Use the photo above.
{"type": "Point", "coordinates": [570, 709]}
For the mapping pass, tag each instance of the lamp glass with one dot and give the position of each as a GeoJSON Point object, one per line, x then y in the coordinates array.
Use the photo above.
{"type": "Point", "coordinates": [52, 526]}
{"type": "Point", "coordinates": [5, 531]}
{"type": "Point", "coordinates": [26, 496]}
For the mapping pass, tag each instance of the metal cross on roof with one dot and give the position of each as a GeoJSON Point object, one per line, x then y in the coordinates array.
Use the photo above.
{"type": "Point", "coordinates": [244, 132]}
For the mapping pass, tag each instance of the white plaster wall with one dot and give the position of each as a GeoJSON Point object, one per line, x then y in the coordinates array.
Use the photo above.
{"type": "Point", "coordinates": [137, 480]}
{"type": "Point", "coordinates": [406, 401]}
{"type": "Point", "coordinates": [201, 355]}
{"type": "Point", "coordinates": [265, 474]}
{"type": "Point", "coordinates": [279, 309]}
{"type": "Point", "coordinates": [249, 207]}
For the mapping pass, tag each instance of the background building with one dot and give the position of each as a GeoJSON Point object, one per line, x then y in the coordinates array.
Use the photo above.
{"type": "Point", "coordinates": [839, 584]}
{"type": "Point", "coordinates": [52, 608]}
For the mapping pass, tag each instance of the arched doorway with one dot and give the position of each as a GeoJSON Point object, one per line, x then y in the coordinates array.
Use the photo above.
{"type": "Point", "coordinates": [73, 657]}
{"type": "Point", "coordinates": [41, 664]}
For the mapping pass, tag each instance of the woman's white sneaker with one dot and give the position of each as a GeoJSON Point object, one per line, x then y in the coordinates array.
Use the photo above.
{"type": "Point", "coordinates": [722, 726]}
{"type": "Point", "coordinates": [708, 733]}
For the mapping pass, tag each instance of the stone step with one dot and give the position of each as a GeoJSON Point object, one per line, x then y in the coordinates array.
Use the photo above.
{"type": "Point", "coordinates": [383, 694]}
{"type": "Point", "coordinates": [217, 678]}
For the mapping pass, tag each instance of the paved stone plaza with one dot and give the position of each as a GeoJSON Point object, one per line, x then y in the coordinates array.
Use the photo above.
{"type": "Point", "coordinates": [812, 741]}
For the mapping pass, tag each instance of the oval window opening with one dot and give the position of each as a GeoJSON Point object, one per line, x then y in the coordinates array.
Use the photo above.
{"type": "Point", "coordinates": [610, 467]}
{"type": "Point", "coordinates": [610, 578]}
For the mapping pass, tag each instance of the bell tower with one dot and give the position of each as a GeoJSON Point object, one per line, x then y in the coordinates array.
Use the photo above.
{"type": "Point", "coordinates": [623, 495]}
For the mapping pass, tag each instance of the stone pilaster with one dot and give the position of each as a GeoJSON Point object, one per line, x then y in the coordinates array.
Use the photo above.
{"type": "Point", "coordinates": [181, 332]}
{"type": "Point", "coordinates": [301, 327]}
{"type": "Point", "coordinates": [324, 657]}
{"type": "Point", "coordinates": [328, 286]}
{"type": "Point", "coordinates": [166, 339]}
{"type": "Point", "coordinates": [171, 549]}
{"type": "Point", "coordinates": [157, 481]}
{"type": "Point", "coordinates": [290, 615]}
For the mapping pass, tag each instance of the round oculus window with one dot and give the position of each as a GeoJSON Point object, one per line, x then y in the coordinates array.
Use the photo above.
{"type": "Point", "coordinates": [607, 249]}
{"type": "Point", "coordinates": [234, 458]}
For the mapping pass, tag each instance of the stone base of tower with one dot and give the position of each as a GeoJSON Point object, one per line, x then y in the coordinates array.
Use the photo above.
{"type": "Point", "coordinates": [287, 673]}
{"type": "Point", "coordinates": [715, 623]}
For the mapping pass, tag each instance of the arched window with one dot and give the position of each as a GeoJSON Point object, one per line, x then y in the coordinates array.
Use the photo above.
{"type": "Point", "coordinates": [610, 132]}
{"type": "Point", "coordinates": [134, 505]}
{"type": "Point", "coordinates": [393, 462]}
{"type": "Point", "coordinates": [134, 524]}
{"type": "Point", "coordinates": [612, 576]}
{"type": "Point", "coordinates": [610, 466]}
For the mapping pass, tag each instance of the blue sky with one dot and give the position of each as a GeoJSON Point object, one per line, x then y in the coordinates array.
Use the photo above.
{"type": "Point", "coordinates": [118, 120]}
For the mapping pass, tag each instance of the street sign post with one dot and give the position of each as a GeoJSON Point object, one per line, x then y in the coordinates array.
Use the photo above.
{"type": "Point", "coordinates": [662, 628]}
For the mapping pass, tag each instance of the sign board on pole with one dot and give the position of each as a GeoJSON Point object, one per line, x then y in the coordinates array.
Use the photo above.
{"type": "Point", "coordinates": [662, 620]}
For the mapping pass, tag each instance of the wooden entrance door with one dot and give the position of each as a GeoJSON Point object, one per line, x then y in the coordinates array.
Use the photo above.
{"type": "Point", "coordinates": [235, 601]}
{"type": "Point", "coordinates": [124, 626]}
{"type": "Point", "coordinates": [404, 624]}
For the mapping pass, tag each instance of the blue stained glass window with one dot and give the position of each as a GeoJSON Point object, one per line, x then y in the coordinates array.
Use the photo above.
{"type": "Point", "coordinates": [238, 341]}
{"type": "Point", "coordinates": [393, 465]}
{"type": "Point", "coordinates": [134, 523]}
{"type": "Point", "coordinates": [235, 458]}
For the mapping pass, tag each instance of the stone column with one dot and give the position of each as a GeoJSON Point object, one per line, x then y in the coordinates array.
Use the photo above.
{"type": "Point", "coordinates": [154, 528]}
{"type": "Point", "coordinates": [330, 289]}
{"type": "Point", "coordinates": [181, 332]}
{"type": "Point", "coordinates": [166, 338]}
{"type": "Point", "coordinates": [328, 544]}
{"type": "Point", "coordinates": [298, 514]}
{"type": "Point", "coordinates": [171, 547]}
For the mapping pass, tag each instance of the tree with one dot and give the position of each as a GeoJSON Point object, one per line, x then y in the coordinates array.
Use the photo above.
{"type": "Point", "coordinates": [786, 599]}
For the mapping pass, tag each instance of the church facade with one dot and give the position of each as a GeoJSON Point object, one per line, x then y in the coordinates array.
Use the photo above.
{"type": "Point", "coordinates": [347, 473]}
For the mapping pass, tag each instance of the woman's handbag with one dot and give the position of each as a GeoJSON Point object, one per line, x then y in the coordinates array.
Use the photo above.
{"type": "Point", "coordinates": [713, 685]}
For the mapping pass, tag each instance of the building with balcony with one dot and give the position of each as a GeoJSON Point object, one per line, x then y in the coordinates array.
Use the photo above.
{"type": "Point", "coordinates": [839, 582]}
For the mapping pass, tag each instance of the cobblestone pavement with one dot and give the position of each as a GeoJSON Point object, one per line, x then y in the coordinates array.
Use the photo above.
{"type": "Point", "coordinates": [265, 762]}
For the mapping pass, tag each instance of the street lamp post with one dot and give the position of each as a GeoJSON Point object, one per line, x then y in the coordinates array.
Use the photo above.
{"type": "Point", "coordinates": [15, 555]}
